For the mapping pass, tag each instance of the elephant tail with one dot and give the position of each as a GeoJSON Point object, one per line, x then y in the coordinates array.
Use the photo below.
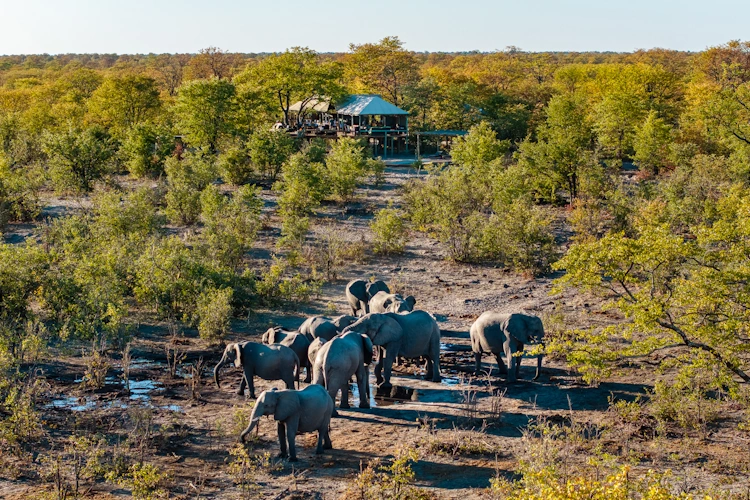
{"type": "Point", "coordinates": [297, 369]}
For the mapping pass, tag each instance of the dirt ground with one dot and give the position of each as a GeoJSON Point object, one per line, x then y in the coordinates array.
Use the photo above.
{"type": "Point", "coordinates": [190, 438]}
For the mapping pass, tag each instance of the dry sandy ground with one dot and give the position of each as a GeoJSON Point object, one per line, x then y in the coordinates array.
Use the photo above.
{"type": "Point", "coordinates": [191, 438]}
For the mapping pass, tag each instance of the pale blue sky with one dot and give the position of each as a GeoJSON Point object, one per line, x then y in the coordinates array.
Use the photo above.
{"type": "Point", "coordinates": [142, 26]}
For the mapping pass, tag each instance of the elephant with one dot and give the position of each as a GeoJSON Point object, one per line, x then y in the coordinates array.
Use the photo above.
{"type": "Point", "coordinates": [318, 326]}
{"type": "Point", "coordinates": [499, 333]}
{"type": "Point", "coordinates": [342, 322]}
{"type": "Point", "coordinates": [312, 352]}
{"type": "Point", "coordinates": [295, 341]}
{"type": "Point", "coordinates": [359, 293]}
{"type": "Point", "coordinates": [296, 412]}
{"type": "Point", "coordinates": [409, 335]}
{"type": "Point", "coordinates": [383, 302]}
{"type": "Point", "coordinates": [339, 359]}
{"type": "Point", "coordinates": [269, 362]}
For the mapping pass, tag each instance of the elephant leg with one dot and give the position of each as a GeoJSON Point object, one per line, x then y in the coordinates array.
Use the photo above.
{"type": "Point", "coordinates": [518, 366]}
{"type": "Point", "coordinates": [248, 378]}
{"type": "Point", "coordinates": [327, 445]}
{"type": "Point", "coordinates": [477, 363]}
{"type": "Point", "coordinates": [345, 394]}
{"type": "Point", "coordinates": [390, 356]}
{"type": "Point", "coordinates": [241, 390]}
{"type": "Point", "coordinates": [379, 370]}
{"type": "Point", "coordinates": [364, 387]}
{"type": "Point", "coordinates": [291, 434]}
{"type": "Point", "coordinates": [281, 427]}
{"type": "Point", "coordinates": [500, 364]}
{"type": "Point", "coordinates": [289, 380]}
{"type": "Point", "coordinates": [319, 447]}
{"type": "Point", "coordinates": [428, 369]}
{"type": "Point", "coordinates": [308, 369]}
{"type": "Point", "coordinates": [436, 377]}
{"type": "Point", "coordinates": [333, 389]}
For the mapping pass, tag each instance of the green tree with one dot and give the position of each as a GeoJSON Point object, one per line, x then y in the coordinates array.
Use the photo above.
{"type": "Point", "coordinates": [123, 102]}
{"type": "Point", "coordinates": [77, 158]}
{"type": "Point", "coordinates": [385, 68]}
{"type": "Point", "coordinates": [652, 140]}
{"type": "Point", "coordinates": [186, 179]}
{"type": "Point", "coordinates": [346, 165]}
{"type": "Point", "coordinates": [479, 147]}
{"type": "Point", "coordinates": [298, 74]}
{"type": "Point", "coordinates": [686, 296]}
{"type": "Point", "coordinates": [204, 111]}
{"type": "Point", "coordinates": [561, 155]}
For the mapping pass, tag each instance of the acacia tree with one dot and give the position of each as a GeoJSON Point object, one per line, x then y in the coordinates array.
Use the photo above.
{"type": "Point", "coordinates": [684, 296]}
{"type": "Point", "coordinates": [297, 74]}
{"type": "Point", "coordinates": [384, 68]}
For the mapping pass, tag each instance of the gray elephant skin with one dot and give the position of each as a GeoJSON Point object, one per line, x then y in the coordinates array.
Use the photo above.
{"type": "Point", "coordinates": [318, 326]}
{"type": "Point", "coordinates": [499, 333]}
{"type": "Point", "coordinates": [383, 302]}
{"type": "Point", "coordinates": [297, 412]}
{"type": "Point", "coordinates": [269, 362]}
{"type": "Point", "coordinates": [410, 335]}
{"type": "Point", "coordinates": [339, 359]}
{"type": "Point", "coordinates": [293, 340]}
{"type": "Point", "coordinates": [312, 352]}
{"type": "Point", "coordinates": [343, 321]}
{"type": "Point", "coordinates": [359, 293]}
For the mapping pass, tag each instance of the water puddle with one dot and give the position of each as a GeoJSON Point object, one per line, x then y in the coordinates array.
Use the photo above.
{"type": "Point", "coordinates": [451, 381]}
{"type": "Point", "coordinates": [72, 403]}
{"type": "Point", "coordinates": [141, 393]}
{"type": "Point", "coordinates": [141, 389]}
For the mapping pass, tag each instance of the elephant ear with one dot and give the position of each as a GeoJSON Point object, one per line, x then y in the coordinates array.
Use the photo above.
{"type": "Point", "coordinates": [287, 404]}
{"type": "Point", "coordinates": [411, 301]}
{"type": "Point", "coordinates": [386, 329]}
{"type": "Point", "coordinates": [238, 359]}
{"type": "Point", "coordinates": [518, 328]}
{"type": "Point", "coordinates": [367, 349]}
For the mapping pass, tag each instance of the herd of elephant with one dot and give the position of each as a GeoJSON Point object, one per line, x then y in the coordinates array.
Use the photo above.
{"type": "Point", "coordinates": [382, 327]}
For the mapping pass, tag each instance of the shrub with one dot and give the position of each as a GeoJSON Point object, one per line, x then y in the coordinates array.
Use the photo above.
{"type": "Point", "coordinates": [269, 150]}
{"type": "Point", "coordinates": [214, 310]}
{"type": "Point", "coordinates": [390, 231]}
{"type": "Point", "coordinates": [230, 225]}
{"type": "Point", "coordinates": [145, 149]}
{"type": "Point", "coordinates": [346, 165]}
{"type": "Point", "coordinates": [77, 158]}
{"type": "Point", "coordinates": [303, 186]}
{"type": "Point", "coordinates": [19, 192]}
{"type": "Point", "coordinates": [186, 179]}
{"type": "Point", "coordinates": [280, 284]}
{"type": "Point", "coordinates": [234, 165]}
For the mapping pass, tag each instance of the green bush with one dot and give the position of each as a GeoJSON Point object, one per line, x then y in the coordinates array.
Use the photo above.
{"type": "Point", "coordinates": [269, 150]}
{"type": "Point", "coordinates": [186, 179]}
{"type": "Point", "coordinates": [390, 231]}
{"type": "Point", "coordinates": [77, 158]}
{"type": "Point", "coordinates": [230, 226]}
{"type": "Point", "coordinates": [145, 149]}
{"type": "Point", "coordinates": [19, 192]}
{"type": "Point", "coordinates": [303, 186]}
{"type": "Point", "coordinates": [346, 165]}
{"type": "Point", "coordinates": [234, 165]}
{"type": "Point", "coordinates": [214, 311]}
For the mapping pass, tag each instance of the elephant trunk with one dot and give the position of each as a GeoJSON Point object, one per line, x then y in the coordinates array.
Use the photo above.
{"type": "Point", "coordinates": [538, 365]}
{"type": "Point", "coordinates": [254, 418]}
{"type": "Point", "coordinates": [217, 369]}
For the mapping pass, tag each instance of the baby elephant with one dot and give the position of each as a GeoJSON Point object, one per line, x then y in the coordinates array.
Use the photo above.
{"type": "Point", "coordinates": [293, 340]}
{"type": "Point", "coordinates": [269, 362]}
{"type": "Point", "coordinates": [339, 359]}
{"type": "Point", "coordinates": [296, 412]}
{"type": "Point", "coordinates": [499, 333]}
{"type": "Point", "coordinates": [383, 302]}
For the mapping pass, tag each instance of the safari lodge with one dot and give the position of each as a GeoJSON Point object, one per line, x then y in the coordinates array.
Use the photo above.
{"type": "Point", "coordinates": [369, 116]}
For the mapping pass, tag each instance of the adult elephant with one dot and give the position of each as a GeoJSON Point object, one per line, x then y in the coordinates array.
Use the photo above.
{"type": "Point", "coordinates": [296, 412]}
{"type": "Point", "coordinates": [269, 362]}
{"type": "Point", "coordinates": [359, 293]}
{"type": "Point", "coordinates": [500, 333]}
{"type": "Point", "coordinates": [343, 321]}
{"type": "Point", "coordinates": [295, 341]}
{"type": "Point", "coordinates": [318, 326]}
{"type": "Point", "coordinates": [338, 360]}
{"type": "Point", "coordinates": [410, 335]}
{"type": "Point", "coordinates": [312, 352]}
{"type": "Point", "coordinates": [383, 302]}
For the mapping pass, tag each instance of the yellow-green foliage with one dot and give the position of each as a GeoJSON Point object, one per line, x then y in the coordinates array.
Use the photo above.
{"type": "Point", "coordinates": [389, 231]}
